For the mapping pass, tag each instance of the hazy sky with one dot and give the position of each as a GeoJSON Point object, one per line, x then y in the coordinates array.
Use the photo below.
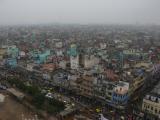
{"type": "Point", "coordinates": [79, 11]}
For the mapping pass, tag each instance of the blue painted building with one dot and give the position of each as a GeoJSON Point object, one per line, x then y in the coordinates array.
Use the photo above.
{"type": "Point", "coordinates": [13, 51]}
{"type": "Point", "coordinates": [11, 62]}
{"type": "Point", "coordinates": [73, 50]}
{"type": "Point", "coordinates": [120, 99]}
{"type": "Point", "coordinates": [41, 57]}
{"type": "Point", "coordinates": [120, 94]}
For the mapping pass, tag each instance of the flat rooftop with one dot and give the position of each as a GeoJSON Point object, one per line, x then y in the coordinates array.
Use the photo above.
{"type": "Point", "coordinates": [2, 97]}
{"type": "Point", "coordinates": [156, 89]}
{"type": "Point", "coordinates": [16, 92]}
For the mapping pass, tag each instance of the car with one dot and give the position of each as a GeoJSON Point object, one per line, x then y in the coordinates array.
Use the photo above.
{"type": "Point", "coordinates": [3, 87]}
{"type": "Point", "coordinates": [49, 95]}
{"type": "Point", "coordinates": [122, 118]}
{"type": "Point", "coordinates": [44, 91]}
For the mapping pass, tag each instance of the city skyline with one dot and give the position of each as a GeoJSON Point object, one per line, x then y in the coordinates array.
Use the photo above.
{"type": "Point", "coordinates": [79, 12]}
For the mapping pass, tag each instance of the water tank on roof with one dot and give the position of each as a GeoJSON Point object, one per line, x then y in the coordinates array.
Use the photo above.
{"type": "Point", "coordinates": [147, 96]}
{"type": "Point", "coordinates": [153, 98]}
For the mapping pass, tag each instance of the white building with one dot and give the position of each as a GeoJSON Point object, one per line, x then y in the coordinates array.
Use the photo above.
{"type": "Point", "coordinates": [90, 61]}
{"type": "Point", "coordinates": [103, 46]}
{"type": "Point", "coordinates": [59, 44]}
{"type": "Point", "coordinates": [59, 53]}
{"type": "Point", "coordinates": [62, 64]}
{"type": "Point", "coordinates": [74, 61]}
{"type": "Point", "coordinates": [2, 97]}
{"type": "Point", "coordinates": [151, 102]}
{"type": "Point", "coordinates": [22, 54]}
{"type": "Point", "coordinates": [30, 67]}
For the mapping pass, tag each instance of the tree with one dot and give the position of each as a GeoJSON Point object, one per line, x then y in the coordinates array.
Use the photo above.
{"type": "Point", "coordinates": [38, 100]}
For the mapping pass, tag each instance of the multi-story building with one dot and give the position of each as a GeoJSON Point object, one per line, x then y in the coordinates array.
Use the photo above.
{"type": "Point", "coordinates": [74, 57]}
{"type": "Point", "coordinates": [12, 51]}
{"type": "Point", "coordinates": [62, 64]}
{"type": "Point", "coordinates": [135, 77]}
{"type": "Point", "coordinates": [58, 44]}
{"type": "Point", "coordinates": [89, 61]}
{"type": "Point", "coordinates": [136, 83]}
{"type": "Point", "coordinates": [11, 62]}
{"type": "Point", "coordinates": [85, 85]}
{"type": "Point", "coordinates": [151, 103]}
{"type": "Point", "coordinates": [42, 57]}
{"type": "Point", "coordinates": [103, 89]}
{"type": "Point", "coordinates": [30, 66]}
{"type": "Point", "coordinates": [132, 52]}
{"type": "Point", "coordinates": [103, 46]}
{"type": "Point", "coordinates": [74, 61]}
{"type": "Point", "coordinates": [120, 93]}
{"type": "Point", "coordinates": [2, 53]}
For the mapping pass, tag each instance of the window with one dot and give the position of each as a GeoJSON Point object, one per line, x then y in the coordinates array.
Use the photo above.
{"type": "Point", "coordinates": [156, 110]}
{"type": "Point", "coordinates": [151, 108]}
{"type": "Point", "coordinates": [144, 105]}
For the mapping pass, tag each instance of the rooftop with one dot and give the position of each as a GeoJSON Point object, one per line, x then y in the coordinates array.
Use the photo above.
{"type": "Point", "coordinates": [66, 112]}
{"type": "Point", "coordinates": [15, 92]}
{"type": "Point", "coordinates": [2, 97]}
{"type": "Point", "coordinates": [156, 89]}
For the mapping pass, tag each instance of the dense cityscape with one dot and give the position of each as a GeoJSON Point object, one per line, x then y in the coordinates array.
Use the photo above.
{"type": "Point", "coordinates": [80, 72]}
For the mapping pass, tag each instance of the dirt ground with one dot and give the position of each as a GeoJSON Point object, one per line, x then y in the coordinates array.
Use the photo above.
{"type": "Point", "coordinates": [11, 109]}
